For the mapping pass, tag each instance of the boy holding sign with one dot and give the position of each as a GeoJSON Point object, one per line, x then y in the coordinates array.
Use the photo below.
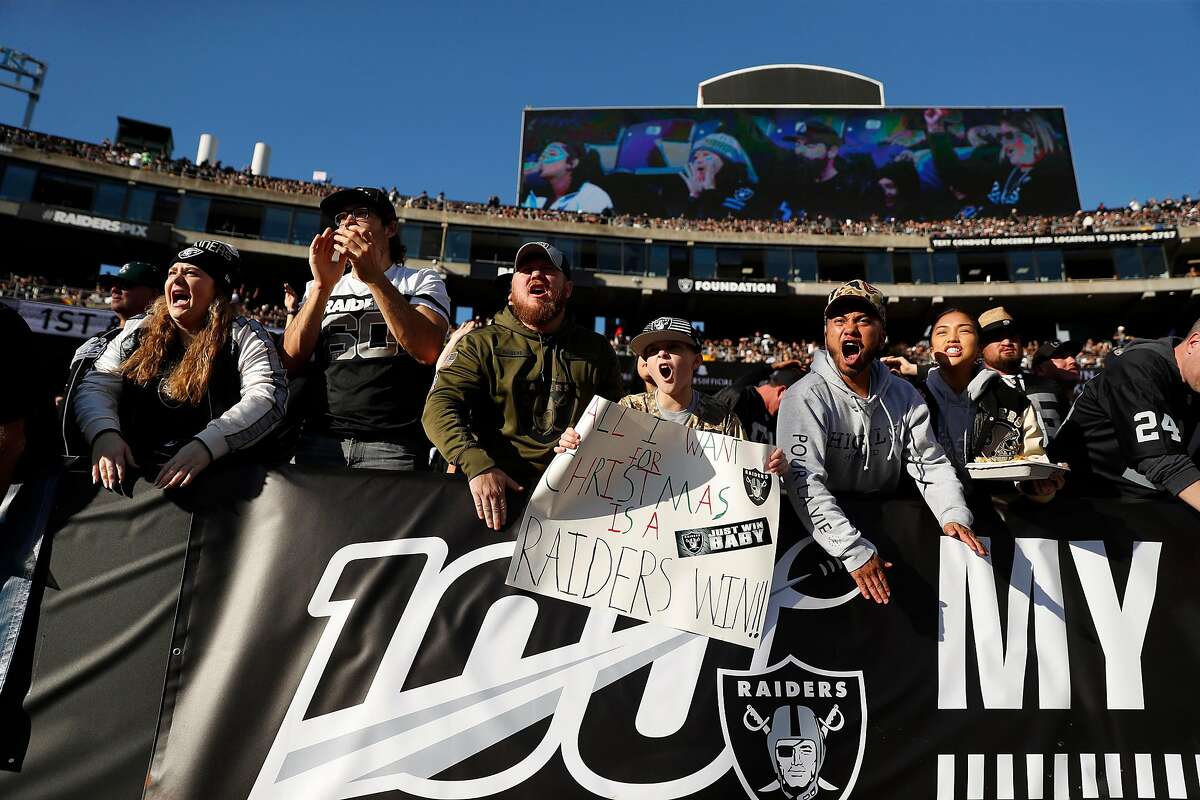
{"type": "Point", "coordinates": [671, 349]}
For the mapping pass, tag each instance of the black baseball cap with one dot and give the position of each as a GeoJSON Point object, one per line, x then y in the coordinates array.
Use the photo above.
{"type": "Point", "coordinates": [666, 329]}
{"type": "Point", "coordinates": [220, 260]}
{"type": "Point", "coordinates": [372, 198]}
{"type": "Point", "coordinates": [1054, 349]}
{"type": "Point", "coordinates": [135, 273]}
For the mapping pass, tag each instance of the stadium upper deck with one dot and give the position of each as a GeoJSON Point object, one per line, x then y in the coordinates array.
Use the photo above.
{"type": "Point", "coordinates": [105, 211]}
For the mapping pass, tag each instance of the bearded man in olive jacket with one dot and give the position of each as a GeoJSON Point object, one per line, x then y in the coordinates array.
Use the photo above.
{"type": "Point", "coordinates": [510, 389]}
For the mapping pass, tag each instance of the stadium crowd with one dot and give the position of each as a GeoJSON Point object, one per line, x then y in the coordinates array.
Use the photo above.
{"type": "Point", "coordinates": [759, 348]}
{"type": "Point", "coordinates": [1152, 213]}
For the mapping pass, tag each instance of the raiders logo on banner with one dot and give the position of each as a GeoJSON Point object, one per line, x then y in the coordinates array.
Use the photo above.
{"type": "Point", "coordinates": [758, 485]}
{"type": "Point", "coordinates": [797, 732]}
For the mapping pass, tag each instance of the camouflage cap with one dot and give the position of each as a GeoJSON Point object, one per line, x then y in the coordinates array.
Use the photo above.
{"type": "Point", "coordinates": [860, 294]}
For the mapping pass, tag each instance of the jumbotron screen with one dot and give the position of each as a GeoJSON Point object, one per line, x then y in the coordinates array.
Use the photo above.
{"type": "Point", "coordinates": [789, 163]}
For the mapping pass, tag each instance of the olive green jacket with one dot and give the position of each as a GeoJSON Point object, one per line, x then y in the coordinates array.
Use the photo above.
{"type": "Point", "coordinates": [508, 393]}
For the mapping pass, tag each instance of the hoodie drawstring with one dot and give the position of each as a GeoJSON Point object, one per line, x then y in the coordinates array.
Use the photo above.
{"type": "Point", "coordinates": [891, 429]}
{"type": "Point", "coordinates": [866, 418]}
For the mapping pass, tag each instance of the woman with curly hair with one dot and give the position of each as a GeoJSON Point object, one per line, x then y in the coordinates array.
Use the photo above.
{"type": "Point", "coordinates": [186, 384]}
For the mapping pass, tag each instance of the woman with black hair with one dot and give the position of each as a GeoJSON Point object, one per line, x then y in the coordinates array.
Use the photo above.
{"type": "Point", "coordinates": [567, 169]}
{"type": "Point", "coordinates": [186, 384]}
{"type": "Point", "coordinates": [975, 414]}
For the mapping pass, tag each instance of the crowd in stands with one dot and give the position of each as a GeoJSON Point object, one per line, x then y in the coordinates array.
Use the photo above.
{"type": "Point", "coordinates": [249, 300]}
{"type": "Point", "coordinates": [1153, 212]}
{"type": "Point", "coordinates": [759, 348]}
{"type": "Point", "coordinates": [113, 153]}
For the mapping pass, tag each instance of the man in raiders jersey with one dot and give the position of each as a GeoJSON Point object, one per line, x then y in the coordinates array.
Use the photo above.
{"type": "Point", "coordinates": [368, 338]}
{"type": "Point", "coordinates": [1130, 429]}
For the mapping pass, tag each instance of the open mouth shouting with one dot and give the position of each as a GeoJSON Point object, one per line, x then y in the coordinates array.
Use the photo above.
{"type": "Point", "coordinates": [539, 290]}
{"type": "Point", "coordinates": [666, 371]}
{"type": "Point", "coordinates": [953, 350]}
{"type": "Point", "coordinates": [180, 298]}
{"type": "Point", "coordinates": [853, 353]}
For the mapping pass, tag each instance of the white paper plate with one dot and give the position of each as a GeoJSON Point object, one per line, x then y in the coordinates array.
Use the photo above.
{"type": "Point", "coordinates": [1014, 470]}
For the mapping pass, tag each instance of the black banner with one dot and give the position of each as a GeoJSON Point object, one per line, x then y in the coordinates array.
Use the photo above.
{"type": "Point", "coordinates": [95, 645]}
{"type": "Point", "coordinates": [82, 219]}
{"type": "Point", "coordinates": [320, 653]}
{"type": "Point", "coordinates": [752, 286]}
{"type": "Point", "coordinates": [1108, 239]}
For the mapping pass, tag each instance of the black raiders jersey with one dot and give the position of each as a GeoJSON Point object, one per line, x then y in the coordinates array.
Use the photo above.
{"type": "Point", "coordinates": [368, 387]}
{"type": "Point", "coordinates": [1137, 408]}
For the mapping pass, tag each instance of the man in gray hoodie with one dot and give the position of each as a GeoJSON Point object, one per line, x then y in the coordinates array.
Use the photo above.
{"type": "Point", "coordinates": [849, 426]}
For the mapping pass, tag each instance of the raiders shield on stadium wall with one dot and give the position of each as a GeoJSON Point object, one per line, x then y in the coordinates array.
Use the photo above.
{"type": "Point", "coordinates": [757, 484]}
{"type": "Point", "coordinates": [796, 732]}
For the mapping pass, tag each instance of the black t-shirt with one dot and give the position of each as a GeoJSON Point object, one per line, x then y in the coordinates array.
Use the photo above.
{"type": "Point", "coordinates": [1130, 418]}
{"type": "Point", "coordinates": [26, 395]}
{"type": "Point", "coordinates": [367, 387]}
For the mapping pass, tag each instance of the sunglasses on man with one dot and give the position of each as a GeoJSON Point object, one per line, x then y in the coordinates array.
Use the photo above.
{"type": "Point", "coordinates": [362, 213]}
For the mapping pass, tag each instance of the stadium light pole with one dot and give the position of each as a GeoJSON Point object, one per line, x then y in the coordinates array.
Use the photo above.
{"type": "Point", "coordinates": [24, 66]}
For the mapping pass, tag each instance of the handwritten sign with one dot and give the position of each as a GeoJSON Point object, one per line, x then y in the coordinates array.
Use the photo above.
{"type": "Point", "coordinates": [656, 521]}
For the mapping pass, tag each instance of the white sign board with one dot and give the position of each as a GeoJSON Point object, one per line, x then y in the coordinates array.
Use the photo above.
{"type": "Point", "coordinates": [58, 319]}
{"type": "Point", "coordinates": [656, 521]}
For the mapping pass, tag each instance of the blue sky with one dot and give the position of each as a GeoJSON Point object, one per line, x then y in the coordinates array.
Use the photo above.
{"type": "Point", "coordinates": [429, 96]}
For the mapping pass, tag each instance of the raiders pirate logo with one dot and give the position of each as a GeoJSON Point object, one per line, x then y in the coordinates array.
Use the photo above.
{"type": "Point", "coordinates": [1000, 440]}
{"type": "Point", "coordinates": [692, 542]}
{"type": "Point", "coordinates": [684, 284]}
{"type": "Point", "coordinates": [757, 485]}
{"type": "Point", "coordinates": [796, 732]}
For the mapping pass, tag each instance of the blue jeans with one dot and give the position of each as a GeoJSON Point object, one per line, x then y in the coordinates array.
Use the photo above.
{"type": "Point", "coordinates": [321, 450]}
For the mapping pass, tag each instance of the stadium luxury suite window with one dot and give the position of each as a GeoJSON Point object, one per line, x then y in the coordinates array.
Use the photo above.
{"type": "Point", "coordinates": [945, 268]}
{"type": "Point", "coordinates": [669, 259]}
{"type": "Point", "coordinates": [141, 204]}
{"type": "Point", "coordinates": [804, 265]}
{"type": "Point", "coordinates": [879, 267]}
{"type": "Point", "coordinates": [608, 256]}
{"type": "Point", "coordinates": [704, 262]}
{"type": "Point", "coordinates": [193, 213]}
{"type": "Point", "coordinates": [58, 189]}
{"type": "Point", "coordinates": [305, 225]}
{"type": "Point", "coordinates": [458, 244]}
{"type": "Point", "coordinates": [277, 223]}
{"type": "Point", "coordinates": [633, 258]}
{"type": "Point", "coordinates": [235, 218]}
{"type": "Point", "coordinates": [778, 263]}
{"type": "Point", "coordinates": [17, 183]}
{"type": "Point", "coordinates": [1049, 264]}
{"type": "Point", "coordinates": [110, 198]}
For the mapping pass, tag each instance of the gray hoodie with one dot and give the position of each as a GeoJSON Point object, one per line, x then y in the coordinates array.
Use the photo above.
{"type": "Point", "coordinates": [839, 442]}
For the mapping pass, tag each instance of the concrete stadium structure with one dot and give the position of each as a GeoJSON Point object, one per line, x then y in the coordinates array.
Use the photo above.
{"type": "Point", "coordinates": [624, 273]}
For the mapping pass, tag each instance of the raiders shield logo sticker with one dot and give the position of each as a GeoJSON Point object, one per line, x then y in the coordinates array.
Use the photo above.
{"type": "Point", "coordinates": [796, 732]}
{"type": "Point", "coordinates": [758, 485]}
{"type": "Point", "coordinates": [684, 284]}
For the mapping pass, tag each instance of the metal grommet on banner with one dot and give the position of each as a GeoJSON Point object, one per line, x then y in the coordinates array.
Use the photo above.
{"type": "Point", "coordinates": [176, 651]}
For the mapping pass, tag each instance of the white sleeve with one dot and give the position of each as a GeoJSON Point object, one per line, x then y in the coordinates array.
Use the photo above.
{"type": "Point", "coordinates": [931, 470]}
{"type": "Point", "coordinates": [264, 394]}
{"type": "Point", "coordinates": [98, 396]}
{"type": "Point", "coordinates": [429, 290]}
